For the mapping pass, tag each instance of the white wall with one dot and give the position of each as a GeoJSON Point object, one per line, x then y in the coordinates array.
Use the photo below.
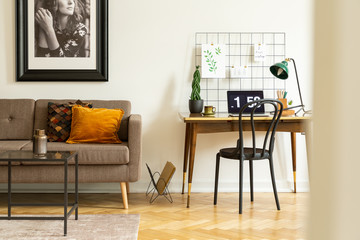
{"type": "Point", "coordinates": [151, 59]}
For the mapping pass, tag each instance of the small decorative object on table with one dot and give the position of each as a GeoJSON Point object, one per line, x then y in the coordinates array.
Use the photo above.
{"type": "Point", "coordinates": [195, 102]}
{"type": "Point", "coordinates": [40, 142]}
{"type": "Point", "coordinates": [285, 104]}
{"type": "Point", "coordinates": [282, 98]}
{"type": "Point", "coordinates": [209, 111]}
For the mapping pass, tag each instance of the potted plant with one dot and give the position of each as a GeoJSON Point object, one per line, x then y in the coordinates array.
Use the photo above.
{"type": "Point", "coordinates": [195, 102]}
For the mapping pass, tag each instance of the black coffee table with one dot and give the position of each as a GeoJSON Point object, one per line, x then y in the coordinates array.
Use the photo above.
{"type": "Point", "coordinates": [64, 157]}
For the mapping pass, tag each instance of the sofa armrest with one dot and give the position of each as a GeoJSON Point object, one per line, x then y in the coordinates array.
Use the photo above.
{"type": "Point", "coordinates": [135, 147]}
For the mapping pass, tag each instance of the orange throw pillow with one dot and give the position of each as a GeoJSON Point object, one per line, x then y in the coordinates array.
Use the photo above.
{"type": "Point", "coordinates": [95, 125]}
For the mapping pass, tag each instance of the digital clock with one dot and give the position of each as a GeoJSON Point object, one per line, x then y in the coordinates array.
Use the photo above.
{"type": "Point", "coordinates": [237, 99]}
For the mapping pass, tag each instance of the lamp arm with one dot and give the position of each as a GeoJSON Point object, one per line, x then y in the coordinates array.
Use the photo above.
{"type": "Point", "coordinates": [297, 79]}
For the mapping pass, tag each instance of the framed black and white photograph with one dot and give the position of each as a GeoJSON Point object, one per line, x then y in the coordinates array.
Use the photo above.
{"type": "Point", "coordinates": [62, 40]}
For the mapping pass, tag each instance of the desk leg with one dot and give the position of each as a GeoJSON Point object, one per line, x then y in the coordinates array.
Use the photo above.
{"type": "Point", "coordinates": [308, 140]}
{"type": "Point", "coordinates": [193, 135]}
{"type": "Point", "coordinates": [293, 151]}
{"type": "Point", "coordinates": [186, 153]}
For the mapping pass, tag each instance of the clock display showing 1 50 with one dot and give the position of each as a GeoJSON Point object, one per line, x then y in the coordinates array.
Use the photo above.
{"type": "Point", "coordinates": [237, 99]}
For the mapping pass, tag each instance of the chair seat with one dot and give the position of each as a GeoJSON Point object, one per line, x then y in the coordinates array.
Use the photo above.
{"type": "Point", "coordinates": [248, 154]}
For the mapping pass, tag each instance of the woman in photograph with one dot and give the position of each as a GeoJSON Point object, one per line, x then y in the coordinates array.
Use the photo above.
{"type": "Point", "coordinates": [62, 32]}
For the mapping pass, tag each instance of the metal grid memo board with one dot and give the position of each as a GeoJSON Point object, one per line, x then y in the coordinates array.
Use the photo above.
{"type": "Point", "coordinates": [239, 51]}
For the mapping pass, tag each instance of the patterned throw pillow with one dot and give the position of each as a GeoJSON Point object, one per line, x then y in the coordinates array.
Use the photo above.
{"type": "Point", "coordinates": [59, 120]}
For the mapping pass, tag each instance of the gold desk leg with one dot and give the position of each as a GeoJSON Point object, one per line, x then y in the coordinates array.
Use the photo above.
{"type": "Point", "coordinates": [188, 199]}
{"type": "Point", "coordinates": [193, 132]}
{"type": "Point", "coordinates": [183, 185]}
{"type": "Point", "coordinates": [294, 182]}
{"type": "Point", "coordinates": [186, 153]}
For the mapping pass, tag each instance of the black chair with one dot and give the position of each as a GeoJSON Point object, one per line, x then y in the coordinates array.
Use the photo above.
{"type": "Point", "coordinates": [242, 153]}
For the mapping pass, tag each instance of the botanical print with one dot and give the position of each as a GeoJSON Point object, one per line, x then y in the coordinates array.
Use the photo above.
{"type": "Point", "coordinates": [213, 61]}
{"type": "Point", "coordinates": [62, 28]}
{"type": "Point", "coordinates": [210, 59]}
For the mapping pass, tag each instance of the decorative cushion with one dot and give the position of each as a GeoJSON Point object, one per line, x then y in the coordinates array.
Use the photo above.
{"type": "Point", "coordinates": [95, 125]}
{"type": "Point", "coordinates": [59, 120]}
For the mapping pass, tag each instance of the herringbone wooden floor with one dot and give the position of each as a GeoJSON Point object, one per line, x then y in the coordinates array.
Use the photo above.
{"type": "Point", "coordinates": [203, 220]}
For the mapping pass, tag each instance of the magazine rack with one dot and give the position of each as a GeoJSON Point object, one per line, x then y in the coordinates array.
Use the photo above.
{"type": "Point", "coordinates": [160, 187]}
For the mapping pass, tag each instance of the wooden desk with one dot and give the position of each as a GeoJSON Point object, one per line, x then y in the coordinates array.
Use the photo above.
{"type": "Point", "coordinates": [221, 122]}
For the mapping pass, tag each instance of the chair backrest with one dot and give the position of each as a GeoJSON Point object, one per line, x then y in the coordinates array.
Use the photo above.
{"type": "Point", "coordinates": [271, 129]}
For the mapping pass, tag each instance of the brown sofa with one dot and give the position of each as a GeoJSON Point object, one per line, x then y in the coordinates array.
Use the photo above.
{"type": "Point", "coordinates": [97, 162]}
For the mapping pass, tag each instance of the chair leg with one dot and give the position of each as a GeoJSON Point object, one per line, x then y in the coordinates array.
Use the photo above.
{"type": "Point", "coordinates": [216, 177]}
{"type": "Point", "coordinates": [124, 194]}
{"type": "Point", "coordinates": [241, 185]}
{"type": "Point", "coordinates": [251, 180]}
{"type": "Point", "coordinates": [273, 183]}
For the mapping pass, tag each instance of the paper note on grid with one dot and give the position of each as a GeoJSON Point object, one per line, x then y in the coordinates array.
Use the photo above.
{"type": "Point", "coordinates": [238, 71]}
{"type": "Point", "coordinates": [213, 61]}
{"type": "Point", "coordinates": [259, 52]}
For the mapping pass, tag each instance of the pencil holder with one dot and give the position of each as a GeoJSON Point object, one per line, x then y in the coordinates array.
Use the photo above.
{"type": "Point", "coordinates": [284, 102]}
{"type": "Point", "coordinates": [285, 105]}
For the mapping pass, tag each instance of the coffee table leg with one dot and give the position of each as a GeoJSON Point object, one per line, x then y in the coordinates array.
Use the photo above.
{"type": "Point", "coordinates": [65, 196]}
{"type": "Point", "coordinates": [76, 186]}
{"type": "Point", "coordinates": [9, 190]}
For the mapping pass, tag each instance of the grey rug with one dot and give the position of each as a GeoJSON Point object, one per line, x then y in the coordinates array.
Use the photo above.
{"type": "Point", "coordinates": [106, 226]}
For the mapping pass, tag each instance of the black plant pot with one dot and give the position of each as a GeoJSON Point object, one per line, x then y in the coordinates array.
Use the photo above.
{"type": "Point", "coordinates": [196, 106]}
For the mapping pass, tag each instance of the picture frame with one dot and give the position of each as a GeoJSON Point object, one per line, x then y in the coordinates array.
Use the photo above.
{"type": "Point", "coordinates": [50, 73]}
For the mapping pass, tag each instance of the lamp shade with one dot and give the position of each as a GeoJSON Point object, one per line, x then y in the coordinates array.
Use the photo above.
{"type": "Point", "coordinates": [280, 70]}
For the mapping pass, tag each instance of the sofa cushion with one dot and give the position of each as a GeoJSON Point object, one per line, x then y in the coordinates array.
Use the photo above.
{"type": "Point", "coordinates": [9, 145]}
{"type": "Point", "coordinates": [16, 119]}
{"type": "Point", "coordinates": [96, 125]}
{"type": "Point", "coordinates": [41, 110]}
{"type": "Point", "coordinates": [90, 153]}
{"type": "Point", "coordinates": [59, 120]}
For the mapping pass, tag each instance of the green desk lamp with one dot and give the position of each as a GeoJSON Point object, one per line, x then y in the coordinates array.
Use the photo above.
{"type": "Point", "coordinates": [280, 70]}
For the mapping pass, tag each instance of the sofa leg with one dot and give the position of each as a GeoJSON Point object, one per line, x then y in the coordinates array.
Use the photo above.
{"type": "Point", "coordinates": [127, 187]}
{"type": "Point", "coordinates": [124, 194]}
